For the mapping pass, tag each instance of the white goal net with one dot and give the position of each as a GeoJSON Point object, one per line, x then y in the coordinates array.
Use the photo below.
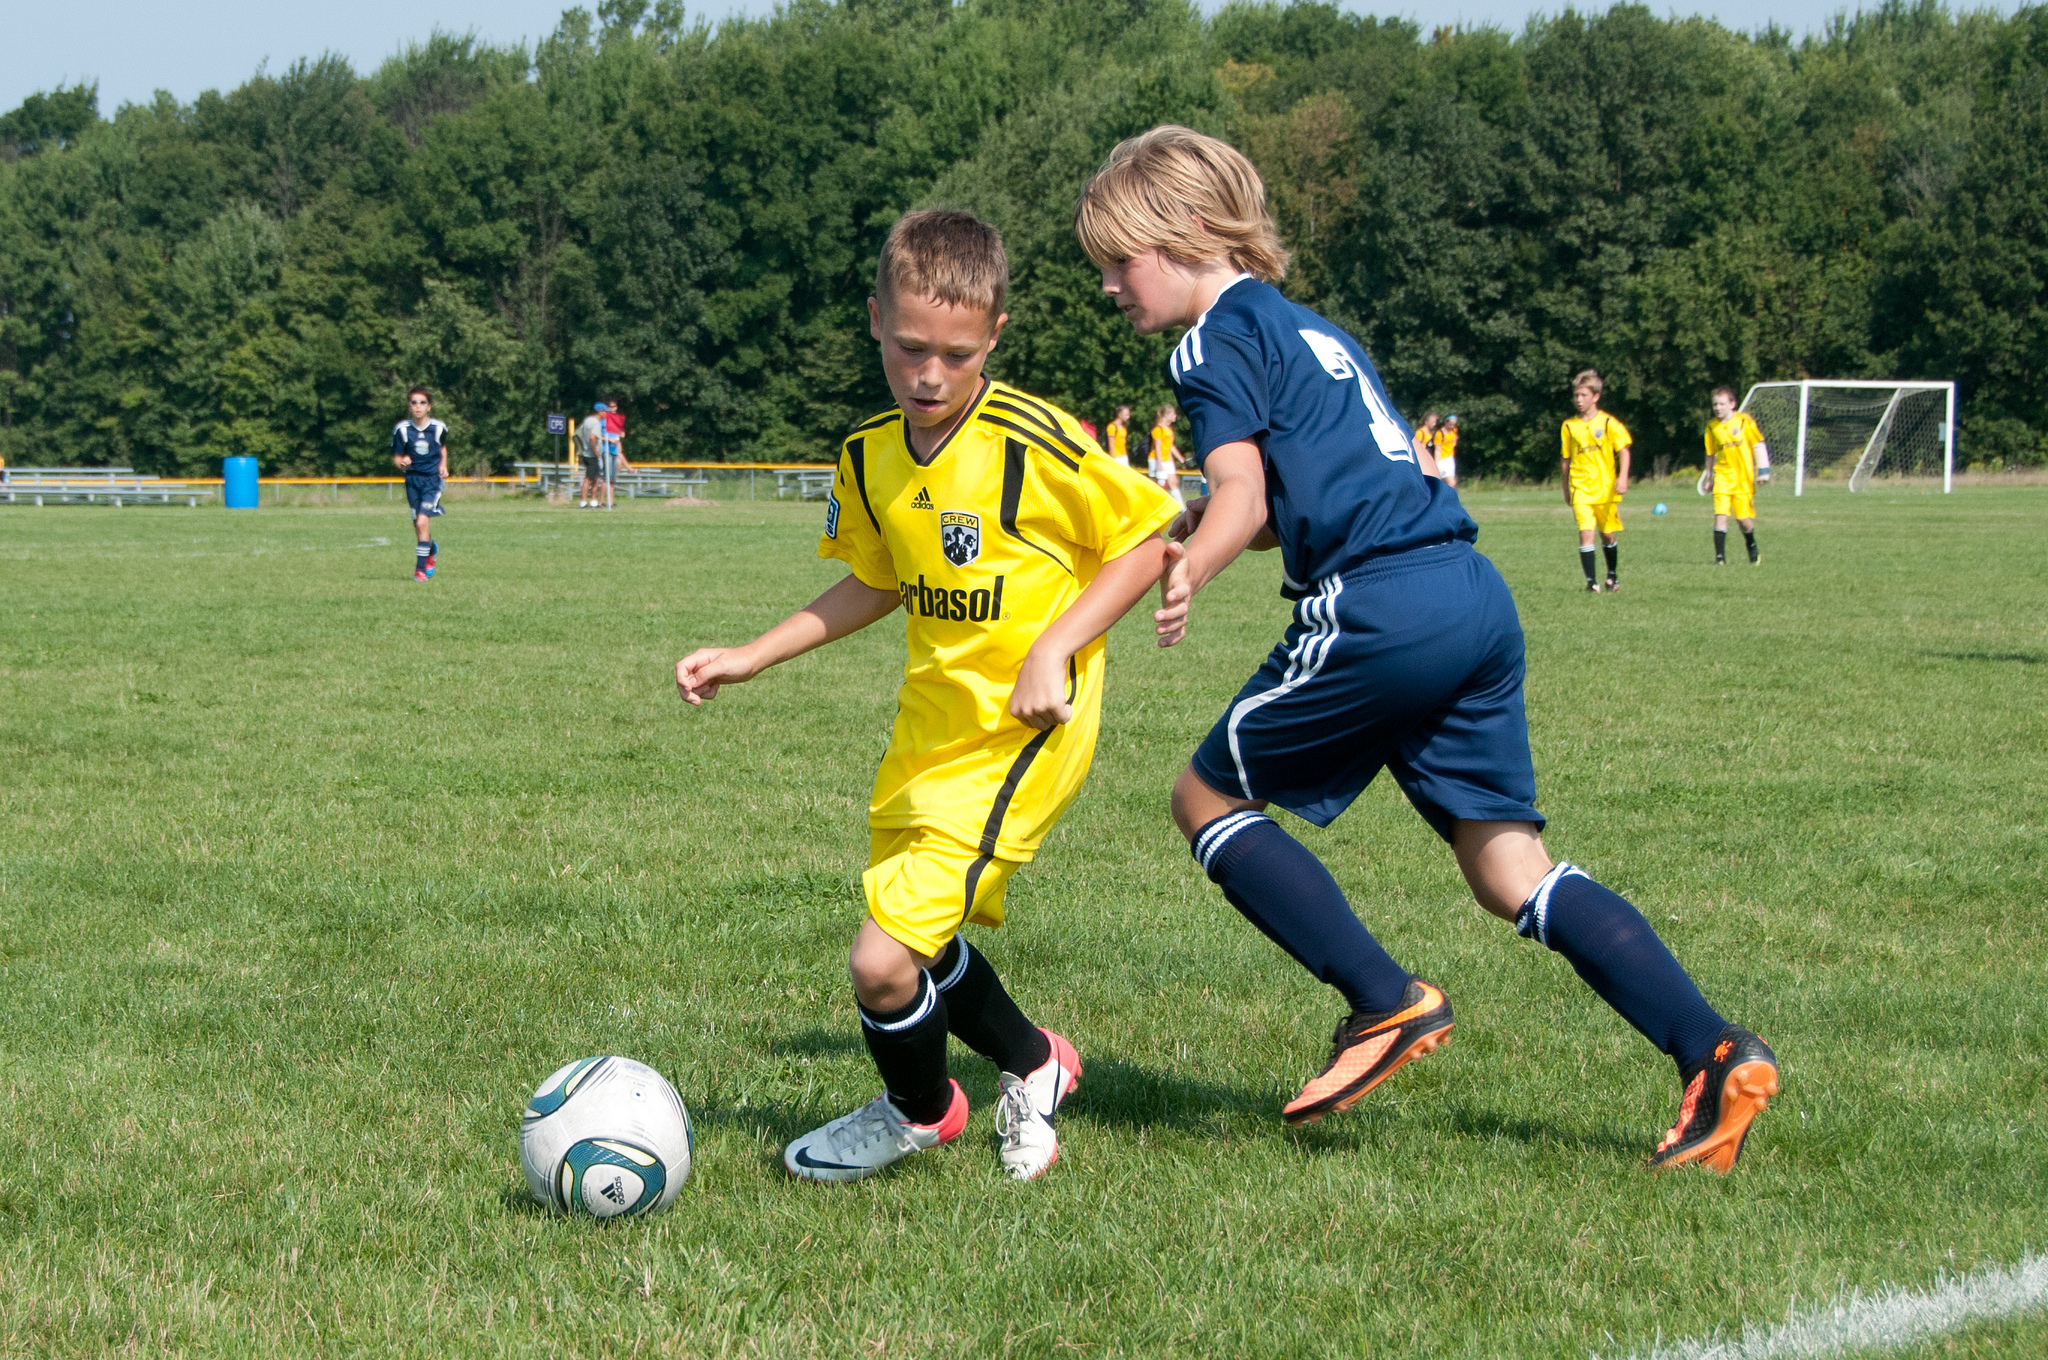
{"type": "Point", "coordinates": [1853, 432]}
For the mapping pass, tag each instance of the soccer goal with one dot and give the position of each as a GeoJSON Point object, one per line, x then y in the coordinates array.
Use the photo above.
{"type": "Point", "coordinates": [1855, 430]}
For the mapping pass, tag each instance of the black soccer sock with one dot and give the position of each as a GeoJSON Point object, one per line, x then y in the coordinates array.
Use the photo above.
{"type": "Point", "coordinates": [1611, 946]}
{"type": "Point", "coordinates": [1278, 885]}
{"type": "Point", "coordinates": [1613, 558]}
{"type": "Point", "coordinates": [1720, 544]}
{"type": "Point", "coordinates": [1589, 563]}
{"type": "Point", "coordinates": [980, 1012]}
{"type": "Point", "coordinates": [909, 1046]}
{"type": "Point", "coordinates": [1749, 537]}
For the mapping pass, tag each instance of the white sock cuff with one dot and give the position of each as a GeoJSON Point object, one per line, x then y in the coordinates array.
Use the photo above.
{"type": "Point", "coordinates": [1213, 837]}
{"type": "Point", "coordinates": [927, 997]}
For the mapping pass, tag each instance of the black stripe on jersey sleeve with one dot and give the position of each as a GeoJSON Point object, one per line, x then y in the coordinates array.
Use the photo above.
{"type": "Point", "coordinates": [992, 829]}
{"type": "Point", "coordinates": [1013, 496]}
{"type": "Point", "coordinates": [857, 454]}
{"type": "Point", "coordinates": [1031, 436]}
{"type": "Point", "coordinates": [1045, 417]}
{"type": "Point", "coordinates": [878, 422]}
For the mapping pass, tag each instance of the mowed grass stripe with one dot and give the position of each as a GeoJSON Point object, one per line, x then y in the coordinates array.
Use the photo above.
{"type": "Point", "coordinates": [308, 874]}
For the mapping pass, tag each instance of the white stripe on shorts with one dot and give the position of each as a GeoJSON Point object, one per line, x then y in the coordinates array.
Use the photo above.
{"type": "Point", "coordinates": [1304, 660]}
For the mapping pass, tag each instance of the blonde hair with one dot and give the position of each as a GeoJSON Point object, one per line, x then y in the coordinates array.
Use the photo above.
{"type": "Point", "coordinates": [954, 257]}
{"type": "Point", "coordinates": [1191, 197]}
{"type": "Point", "coordinates": [1589, 378]}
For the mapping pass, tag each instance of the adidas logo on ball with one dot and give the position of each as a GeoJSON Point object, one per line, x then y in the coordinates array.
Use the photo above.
{"type": "Point", "coordinates": [606, 1137]}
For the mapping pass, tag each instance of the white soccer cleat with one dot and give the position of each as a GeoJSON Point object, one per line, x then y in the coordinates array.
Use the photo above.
{"type": "Point", "coordinates": [858, 1145]}
{"type": "Point", "coordinates": [1025, 1112]}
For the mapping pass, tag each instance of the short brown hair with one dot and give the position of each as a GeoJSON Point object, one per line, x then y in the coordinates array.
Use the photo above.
{"type": "Point", "coordinates": [412, 392]}
{"type": "Point", "coordinates": [1589, 377]}
{"type": "Point", "coordinates": [1724, 387]}
{"type": "Point", "coordinates": [951, 256]}
{"type": "Point", "coordinates": [1190, 196]}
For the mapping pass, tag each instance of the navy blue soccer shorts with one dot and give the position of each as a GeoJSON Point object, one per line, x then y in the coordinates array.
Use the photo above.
{"type": "Point", "coordinates": [1411, 662]}
{"type": "Point", "coordinates": [423, 494]}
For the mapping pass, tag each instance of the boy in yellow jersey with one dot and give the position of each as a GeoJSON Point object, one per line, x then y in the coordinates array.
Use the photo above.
{"type": "Point", "coordinates": [1596, 454]}
{"type": "Point", "coordinates": [1012, 544]}
{"type": "Point", "coordinates": [1447, 451]}
{"type": "Point", "coordinates": [1119, 433]}
{"type": "Point", "coordinates": [1735, 448]}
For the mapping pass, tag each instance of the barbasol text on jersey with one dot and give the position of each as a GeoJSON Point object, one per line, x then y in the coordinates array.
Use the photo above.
{"type": "Point", "coordinates": [958, 604]}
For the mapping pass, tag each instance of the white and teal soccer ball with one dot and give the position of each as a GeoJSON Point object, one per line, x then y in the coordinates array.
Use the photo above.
{"type": "Point", "coordinates": [1662, 509]}
{"type": "Point", "coordinates": [606, 1137]}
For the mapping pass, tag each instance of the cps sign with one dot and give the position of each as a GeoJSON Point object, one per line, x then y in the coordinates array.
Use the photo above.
{"type": "Point", "coordinates": [558, 424]}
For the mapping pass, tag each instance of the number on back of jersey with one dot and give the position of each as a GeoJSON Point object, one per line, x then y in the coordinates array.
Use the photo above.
{"type": "Point", "coordinates": [1338, 363]}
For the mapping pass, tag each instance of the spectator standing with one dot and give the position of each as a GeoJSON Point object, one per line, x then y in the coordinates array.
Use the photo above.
{"type": "Point", "coordinates": [615, 451]}
{"type": "Point", "coordinates": [590, 447]}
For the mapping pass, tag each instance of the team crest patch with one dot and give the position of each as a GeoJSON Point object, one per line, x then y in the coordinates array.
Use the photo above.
{"type": "Point", "coordinates": [960, 536]}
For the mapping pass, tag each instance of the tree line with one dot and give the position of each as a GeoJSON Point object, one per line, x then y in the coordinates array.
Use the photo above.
{"type": "Point", "coordinates": [686, 217]}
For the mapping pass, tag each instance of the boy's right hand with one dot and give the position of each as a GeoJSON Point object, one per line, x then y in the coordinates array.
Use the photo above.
{"type": "Point", "coordinates": [1188, 520]}
{"type": "Point", "coordinates": [699, 674]}
{"type": "Point", "coordinates": [404, 461]}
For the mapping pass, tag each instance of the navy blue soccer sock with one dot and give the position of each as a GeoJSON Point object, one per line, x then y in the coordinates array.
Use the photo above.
{"type": "Point", "coordinates": [1278, 884]}
{"type": "Point", "coordinates": [909, 1047]}
{"type": "Point", "coordinates": [1610, 945]}
{"type": "Point", "coordinates": [421, 553]}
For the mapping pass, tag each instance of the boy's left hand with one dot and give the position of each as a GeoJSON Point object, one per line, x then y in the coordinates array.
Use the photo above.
{"type": "Point", "coordinates": [1040, 698]}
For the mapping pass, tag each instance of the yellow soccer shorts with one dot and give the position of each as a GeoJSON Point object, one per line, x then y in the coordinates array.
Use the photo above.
{"type": "Point", "coordinates": [1604, 516]}
{"type": "Point", "coordinates": [1740, 504]}
{"type": "Point", "coordinates": [923, 885]}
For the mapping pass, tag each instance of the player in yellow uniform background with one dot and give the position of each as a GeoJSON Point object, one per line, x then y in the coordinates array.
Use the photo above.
{"type": "Point", "coordinates": [1735, 451]}
{"type": "Point", "coordinates": [1119, 433]}
{"type": "Point", "coordinates": [1012, 544]}
{"type": "Point", "coordinates": [1163, 464]}
{"type": "Point", "coordinates": [1447, 451]}
{"type": "Point", "coordinates": [1596, 459]}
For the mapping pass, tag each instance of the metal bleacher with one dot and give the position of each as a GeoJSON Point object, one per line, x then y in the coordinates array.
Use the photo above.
{"type": "Point", "coordinates": [652, 481]}
{"type": "Point", "coordinates": [94, 486]}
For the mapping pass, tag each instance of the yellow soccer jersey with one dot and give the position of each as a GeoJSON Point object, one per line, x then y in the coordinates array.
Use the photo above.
{"type": "Point", "coordinates": [987, 543]}
{"type": "Point", "coordinates": [1120, 443]}
{"type": "Point", "coordinates": [1446, 443]}
{"type": "Point", "coordinates": [1594, 448]}
{"type": "Point", "coordinates": [1731, 452]}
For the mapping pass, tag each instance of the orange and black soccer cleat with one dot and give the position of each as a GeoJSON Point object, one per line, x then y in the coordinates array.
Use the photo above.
{"type": "Point", "coordinates": [1369, 1048]}
{"type": "Point", "coordinates": [1724, 1091]}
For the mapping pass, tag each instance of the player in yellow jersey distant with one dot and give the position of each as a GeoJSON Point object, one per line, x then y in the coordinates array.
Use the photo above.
{"type": "Point", "coordinates": [1012, 544]}
{"type": "Point", "coordinates": [1119, 432]}
{"type": "Point", "coordinates": [1163, 463]}
{"type": "Point", "coordinates": [1447, 451]}
{"type": "Point", "coordinates": [1596, 457]}
{"type": "Point", "coordinates": [1735, 452]}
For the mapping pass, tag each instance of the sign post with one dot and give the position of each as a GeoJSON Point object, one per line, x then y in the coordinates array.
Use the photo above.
{"type": "Point", "coordinates": [560, 425]}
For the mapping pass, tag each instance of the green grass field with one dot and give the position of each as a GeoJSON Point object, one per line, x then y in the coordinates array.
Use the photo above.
{"type": "Point", "coordinates": [309, 873]}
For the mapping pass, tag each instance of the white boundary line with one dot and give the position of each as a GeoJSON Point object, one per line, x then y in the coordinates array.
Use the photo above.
{"type": "Point", "coordinates": [1884, 1321]}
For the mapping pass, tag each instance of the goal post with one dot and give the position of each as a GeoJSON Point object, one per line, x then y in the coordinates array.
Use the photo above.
{"type": "Point", "coordinates": [1858, 430]}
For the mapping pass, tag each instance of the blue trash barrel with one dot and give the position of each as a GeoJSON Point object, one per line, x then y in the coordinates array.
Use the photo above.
{"type": "Point", "coordinates": [238, 491]}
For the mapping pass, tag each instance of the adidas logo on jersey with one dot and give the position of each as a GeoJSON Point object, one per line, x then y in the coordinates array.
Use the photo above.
{"type": "Point", "coordinates": [923, 500]}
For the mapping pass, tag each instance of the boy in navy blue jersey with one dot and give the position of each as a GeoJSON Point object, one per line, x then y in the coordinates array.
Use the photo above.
{"type": "Point", "coordinates": [419, 447]}
{"type": "Point", "coordinates": [1405, 651]}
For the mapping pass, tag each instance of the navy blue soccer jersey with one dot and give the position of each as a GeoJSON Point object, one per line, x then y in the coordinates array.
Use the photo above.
{"type": "Point", "coordinates": [424, 445]}
{"type": "Point", "coordinates": [1342, 483]}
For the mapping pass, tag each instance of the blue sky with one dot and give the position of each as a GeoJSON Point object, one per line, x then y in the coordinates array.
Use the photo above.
{"type": "Point", "coordinates": [135, 47]}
